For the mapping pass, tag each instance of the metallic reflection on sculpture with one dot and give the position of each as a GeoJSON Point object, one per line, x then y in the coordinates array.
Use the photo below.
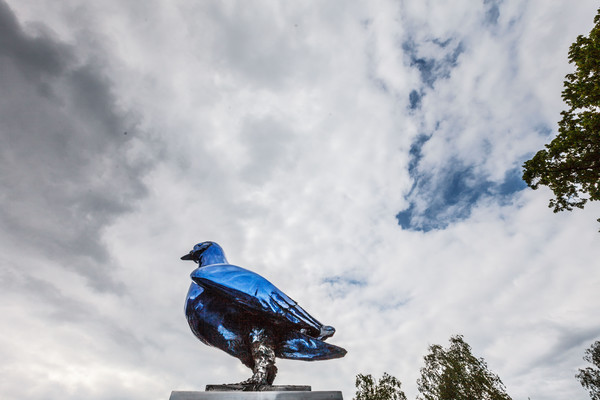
{"type": "Point", "coordinates": [245, 315]}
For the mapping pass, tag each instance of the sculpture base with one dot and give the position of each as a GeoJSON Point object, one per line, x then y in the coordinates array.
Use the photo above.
{"type": "Point", "coordinates": [236, 387]}
{"type": "Point", "coordinates": [263, 395]}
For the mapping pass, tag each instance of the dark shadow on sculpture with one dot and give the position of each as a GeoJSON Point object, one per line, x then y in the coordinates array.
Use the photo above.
{"type": "Point", "coordinates": [245, 315]}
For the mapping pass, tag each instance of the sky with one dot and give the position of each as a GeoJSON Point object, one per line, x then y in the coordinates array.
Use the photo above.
{"type": "Point", "coordinates": [365, 157]}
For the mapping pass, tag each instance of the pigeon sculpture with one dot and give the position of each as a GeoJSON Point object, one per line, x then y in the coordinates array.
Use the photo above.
{"type": "Point", "coordinates": [245, 315]}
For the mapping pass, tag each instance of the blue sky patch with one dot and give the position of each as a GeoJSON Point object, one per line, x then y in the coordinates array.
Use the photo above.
{"type": "Point", "coordinates": [492, 12]}
{"type": "Point", "coordinates": [432, 69]}
{"type": "Point", "coordinates": [341, 280]}
{"type": "Point", "coordinates": [449, 197]}
{"type": "Point", "coordinates": [341, 286]}
{"type": "Point", "coordinates": [415, 152]}
{"type": "Point", "coordinates": [414, 99]}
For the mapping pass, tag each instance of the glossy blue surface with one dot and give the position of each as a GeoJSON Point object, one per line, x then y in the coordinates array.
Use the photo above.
{"type": "Point", "coordinates": [226, 302]}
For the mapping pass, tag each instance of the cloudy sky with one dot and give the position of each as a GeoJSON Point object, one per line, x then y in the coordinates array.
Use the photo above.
{"type": "Point", "coordinates": [363, 156]}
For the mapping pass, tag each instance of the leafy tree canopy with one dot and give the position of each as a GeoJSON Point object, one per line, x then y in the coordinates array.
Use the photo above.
{"type": "Point", "coordinates": [570, 164]}
{"type": "Point", "coordinates": [388, 388]}
{"type": "Point", "coordinates": [455, 374]}
{"type": "Point", "coordinates": [590, 377]}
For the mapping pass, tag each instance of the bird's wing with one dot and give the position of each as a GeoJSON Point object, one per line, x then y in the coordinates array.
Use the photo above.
{"type": "Point", "coordinates": [255, 293]}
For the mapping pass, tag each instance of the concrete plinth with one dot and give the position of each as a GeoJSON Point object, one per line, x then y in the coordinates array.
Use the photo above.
{"type": "Point", "coordinates": [232, 387]}
{"type": "Point", "coordinates": [264, 395]}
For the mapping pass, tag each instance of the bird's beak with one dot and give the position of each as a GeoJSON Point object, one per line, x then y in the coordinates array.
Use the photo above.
{"type": "Point", "coordinates": [188, 256]}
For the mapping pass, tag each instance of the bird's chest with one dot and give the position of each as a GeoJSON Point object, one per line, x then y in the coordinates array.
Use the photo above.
{"type": "Point", "coordinates": [204, 304]}
{"type": "Point", "coordinates": [208, 313]}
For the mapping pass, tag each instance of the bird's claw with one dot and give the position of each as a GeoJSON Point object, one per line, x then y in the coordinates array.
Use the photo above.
{"type": "Point", "coordinates": [254, 384]}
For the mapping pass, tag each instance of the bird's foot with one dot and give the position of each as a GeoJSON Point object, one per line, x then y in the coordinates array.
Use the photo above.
{"type": "Point", "coordinates": [254, 384]}
{"type": "Point", "coordinates": [326, 332]}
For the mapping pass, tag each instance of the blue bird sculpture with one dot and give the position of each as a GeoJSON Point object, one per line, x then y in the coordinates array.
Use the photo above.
{"type": "Point", "coordinates": [245, 315]}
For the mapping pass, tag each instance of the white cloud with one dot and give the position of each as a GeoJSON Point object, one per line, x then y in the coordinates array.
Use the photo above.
{"type": "Point", "coordinates": [282, 131]}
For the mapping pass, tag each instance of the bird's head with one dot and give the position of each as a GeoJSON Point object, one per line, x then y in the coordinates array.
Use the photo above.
{"type": "Point", "coordinates": [206, 253]}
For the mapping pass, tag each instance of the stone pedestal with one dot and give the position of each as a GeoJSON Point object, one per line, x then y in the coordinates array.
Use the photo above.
{"type": "Point", "coordinates": [233, 387]}
{"type": "Point", "coordinates": [262, 395]}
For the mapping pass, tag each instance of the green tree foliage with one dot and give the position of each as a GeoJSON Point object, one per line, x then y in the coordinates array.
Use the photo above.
{"type": "Point", "coordinates": [455, 374]}
{"type": "Point", "coordinates": [570, 164]}
{"type": "Point", "coordinates": [590, 377]}
{"type": "Point", "coordinates": [388, 388]}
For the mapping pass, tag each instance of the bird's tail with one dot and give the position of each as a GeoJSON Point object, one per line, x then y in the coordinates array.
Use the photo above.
{"type": "Point", "coordinates": [326, 332]}
{"type": "Point", "coordinates": [298, 346]}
